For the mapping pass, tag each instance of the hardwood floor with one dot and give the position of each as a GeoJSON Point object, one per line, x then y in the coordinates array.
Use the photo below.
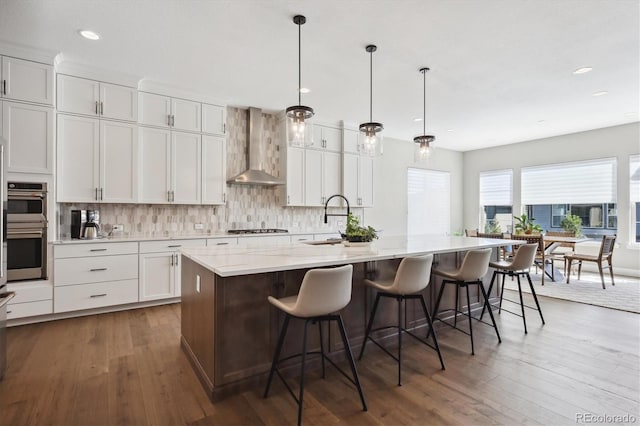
{"type": "Point", "coordinates": [128, 368]}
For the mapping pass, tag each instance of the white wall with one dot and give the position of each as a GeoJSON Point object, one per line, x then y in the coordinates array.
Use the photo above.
{"type": "Point", "coordinates": [618, 141]}
{"type": "Point", "coordinates": [389, 213]}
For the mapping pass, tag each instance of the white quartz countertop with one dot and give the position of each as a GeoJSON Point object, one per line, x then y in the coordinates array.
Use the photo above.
{"type": "Point", "coordinates": [245, 259]}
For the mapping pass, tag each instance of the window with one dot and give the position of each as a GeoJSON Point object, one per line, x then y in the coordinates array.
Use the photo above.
{"type": "Point", "coordinates": [583, 188]}
{"type": "Point", "coordinates": [496, 201]}
{"type": "Point", "coordinates": [634, 196]}
{"type": "Point", "coordinates": [429, 202]}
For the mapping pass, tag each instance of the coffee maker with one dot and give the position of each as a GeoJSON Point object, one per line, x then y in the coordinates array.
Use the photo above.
{"type": "Point", "coordinates": [79, 221]}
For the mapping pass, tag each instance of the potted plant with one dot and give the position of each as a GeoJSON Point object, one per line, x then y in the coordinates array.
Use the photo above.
{"type": "Point", "coordinates": [526, 225]}
{"type": "Point", "coordinates": [572, 223]}
{"type": "Point", "coordinates": [492, 227]}
{"type": "Point", "coordinates": [355, 233]}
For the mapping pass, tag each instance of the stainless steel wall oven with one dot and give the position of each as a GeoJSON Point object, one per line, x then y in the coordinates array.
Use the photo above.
{"type": "Point", "coordinates": [26, 231]}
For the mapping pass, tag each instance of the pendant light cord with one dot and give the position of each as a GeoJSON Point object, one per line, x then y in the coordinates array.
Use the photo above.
{"type": "Point", "coordinates": [371, 86]}
{"type": "Point", "coordinates": [424, 102]}
{"type": "Point", "coordinates": [299, 65]}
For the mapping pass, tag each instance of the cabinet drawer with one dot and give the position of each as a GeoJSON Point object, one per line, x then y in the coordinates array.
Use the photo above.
{"type": "Point", "coordinates": [30, 309]}
{"type": "Point", "coordinates": [226, 241]}
{"type": "Point", "coordinates": [30, 292]}
{"type": "Point", "coordinates": [88, 296]}
{"type": "Point", "coordinates": [169, 245]}
{"type": "Point", "coordinates": [95, 269]}
{"type": "Point", "coordinates": [94, 249]}
{"type": "Point", "coordinates": [299, 238]}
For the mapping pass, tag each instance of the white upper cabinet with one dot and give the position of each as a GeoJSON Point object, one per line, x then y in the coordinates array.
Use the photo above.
{"type": "Point", "coordinates": [28, 130]}
{"type": "Point", "coordinates": [322, 172]}
{"type": "Point", "coordinates": [89, 97]}
{"type": "Point", "coordinates": [164, 111]}
{"type": "Point", "coordinates": [357, 180]}
{"type": "Point", "coordinates": [26, 81]}
{"type": "Point", "coordinates": [350, 141]}
{"type": "Point", "coordinates": [328, 138]}
{"type": "Point", "coordinates": [214, 185]}
{"type": "Point", "coordinates": [186, 172]}
{"type": "Point", "coordinates": [214, 119]}
{"type": "Point", "coordinates": [97, 160]}
{"type": "Point", "coordinates": [294, 188]}
{"type": "Point", "coordinates": [155, 165]}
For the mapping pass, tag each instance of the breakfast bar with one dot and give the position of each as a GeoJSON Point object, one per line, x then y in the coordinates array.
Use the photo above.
{"type": "Point", "coordinates": [229, 330]}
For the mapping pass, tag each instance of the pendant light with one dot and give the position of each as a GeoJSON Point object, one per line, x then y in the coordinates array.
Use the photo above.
{"type": "Point", "coordinates": [299, 122]}
{"type": "Point", "coordinates": [423, 142]}
{"type": "Point", "coordinates": [370, 141]}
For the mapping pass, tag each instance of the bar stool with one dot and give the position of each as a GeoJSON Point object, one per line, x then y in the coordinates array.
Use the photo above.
{"type": "Point", "coordinates": [322, 293]}
{"type": "Point", "coordinates": [523, 260]}
{"type": "Point", "coordinates": [411, 278]}
{"type": "Point", "coordinates": [474, 266]}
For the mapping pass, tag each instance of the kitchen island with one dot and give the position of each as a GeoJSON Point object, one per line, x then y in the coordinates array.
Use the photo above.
{"type": "Point", "coordinates": [229, 330]}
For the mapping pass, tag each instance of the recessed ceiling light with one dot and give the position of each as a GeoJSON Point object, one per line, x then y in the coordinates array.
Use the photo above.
{"type": "Point", "coordinates": [304, 90]}
{"type": "Point", "coordinates": [417, 119]}
{"type": "Point", "coordinates": [89, 35]}
{"type": "Point", "coordinates": [542, 121]}
{"type": "Point", "coordinates": [449, 130]}
{"type": "Point", "coordinates": [600, 93]}
{"type": "Point", "coordinates": [583, 70]}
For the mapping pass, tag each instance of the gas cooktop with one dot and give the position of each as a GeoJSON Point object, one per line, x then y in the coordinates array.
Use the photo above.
{"type": "Point", "coordinates": [257, 231]}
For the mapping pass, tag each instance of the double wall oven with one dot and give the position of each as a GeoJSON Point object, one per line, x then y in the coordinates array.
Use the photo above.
{"type": "Point", "coordinates": [26, 231]}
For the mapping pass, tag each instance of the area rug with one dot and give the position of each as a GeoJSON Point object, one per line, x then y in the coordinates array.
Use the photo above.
{"type": "Point", "coordinates": [624, 296]}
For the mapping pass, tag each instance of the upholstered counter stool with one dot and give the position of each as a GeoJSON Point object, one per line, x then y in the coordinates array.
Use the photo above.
{"type": "Point", "coordinates": [474, 266]}
{"type": "Point", "coordinates": [411, 278]}
{"type": "Point", "coordinates": [519, 266]}
{"type": "Point", "coordinates": [322, 293]}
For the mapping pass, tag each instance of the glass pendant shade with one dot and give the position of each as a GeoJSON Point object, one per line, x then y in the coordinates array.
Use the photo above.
{"type": "Point", "coordinates": [423, 142]}
{"type": "Point", "coordinates": [370, 140]}
{"type": "Point", "coordinates": [299, 117]}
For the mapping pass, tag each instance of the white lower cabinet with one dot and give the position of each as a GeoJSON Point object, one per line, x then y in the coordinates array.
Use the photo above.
{"type": "Point", "coordinates": [32, 299]}
{"type": "Point", "coordinates": [89, 275]}
{"type": "Point", "coordinates": [160, 267]}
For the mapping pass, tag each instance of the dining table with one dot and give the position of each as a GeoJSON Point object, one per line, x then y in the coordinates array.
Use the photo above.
{"type": "Point", "coordinates": [551, 242]}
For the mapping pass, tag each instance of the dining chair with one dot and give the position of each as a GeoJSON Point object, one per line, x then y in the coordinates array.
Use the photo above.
{"type": "Point", "coordinates": [556, 252]}
{"type": "Point", "coordinates": [471, 232]}
{"type": "Point", "coordinates": [605, 253]}
{"type": "Point", "coordinates": [540, 259]}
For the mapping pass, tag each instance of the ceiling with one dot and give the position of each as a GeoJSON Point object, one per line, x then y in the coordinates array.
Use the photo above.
{"type": "Point", "coordinates": [501, 71]}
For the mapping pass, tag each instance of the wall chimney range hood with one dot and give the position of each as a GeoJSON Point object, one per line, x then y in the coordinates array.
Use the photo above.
{"type": "Point", "coordinates": [255, 174]}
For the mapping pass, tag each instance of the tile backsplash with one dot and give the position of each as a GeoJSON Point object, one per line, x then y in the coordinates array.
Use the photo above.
{"type": "Point", "coordinates": [246, 207]}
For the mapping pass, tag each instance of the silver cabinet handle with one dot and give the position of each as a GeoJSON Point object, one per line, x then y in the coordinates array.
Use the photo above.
{"type": "Point", "coordinates": [103, 249]}
{"type": "Point", "coordinates": [175, 245]}
{"type": "Point", "coordinates": [96, 196]}
{"type": "Point", "coordinates": [97, 269]}
{"type": "Point", "coordinates": [177, 259]}
{"type": "Point", "coordinates": [96, 105]}
{"type": "Point", "coordinates": [101, 108]}
{"type": "Point", "coordinates": [224, 127]}
{"type": "Point", "coordinates": [173, 120]}
{"type": "Point", "coordinates": [172, 260]}
{"type": "Point", "coordinates": [4, 87]}
{"type": "Point", "coordinates": [98, 295]}
{"type": "Point", "coordinates": [222, 244]}
{"type": "Point", "coordinates": [169, 120]}
{"type": "Point", "coordinates": [101, 198]}
{"type": "Point", "coordinates": [224, 197]}
{"type": "Point", "coordinates": [288, 199]}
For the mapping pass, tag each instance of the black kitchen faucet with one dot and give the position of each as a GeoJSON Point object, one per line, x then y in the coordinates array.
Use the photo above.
{"type": "Point", "coordinates": [335, 214]}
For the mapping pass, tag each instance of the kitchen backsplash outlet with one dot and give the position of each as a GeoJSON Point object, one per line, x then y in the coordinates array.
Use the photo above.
{"type": "Point", "coordinates": [247, 206]}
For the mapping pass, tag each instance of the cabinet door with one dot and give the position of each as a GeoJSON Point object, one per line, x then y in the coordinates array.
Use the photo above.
{"type": "Point", "coordinates": [365, 182]}
{"type": "Point", "coordinates": [332, 139]}
{"type": "Point", "coordinates": [78, 159]}
{"type": "Point", "coordinates": [350, 140]}
{"type": "Point", "coordinates": [118, 102]}
{"type": "Point", "coordinates": [28, 130]}
{"type": "Point", "coordinates": [27, 81]}
{"type": "Point", "coordinates": [313, 178]}
{"type": "Point", "coordinates": [214, 173]}
{"type": "Point", "coordinates": [350, 178]}
{"type": "Point", "coordinates": [154, 110]}
{"type": "Point", "coordinates": [331, 174]}
{"type": "Point", "coordinates": [157, 276]}
{"type": "Point", "coordinates": [118, 162]}
{"type": "Point", "coordinates": [295, 177]}
{"type": "Point", "coordinates": [78, 95]}
{"type": "Point", "coordinates": [186, 115]}
{"type": "Point", "coordinates": [214, 118]}
{"type": "Point", "coordinates": [155, 165]}
{"type": "Point", "coordinates": [186, 171]}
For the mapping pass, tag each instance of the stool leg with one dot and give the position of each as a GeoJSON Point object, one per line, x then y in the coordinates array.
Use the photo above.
{"type": "Point", "coordinates": [502, 292]}
{"type": "Point", "coordinates": [568, 262]}
{"type": "Point", "coordinates": [493, 320]}
{"type": "Point", "coordinates": [321, 348]}
{"type": "Point", "coordinates": [276, 356]}
{"type": "Point", "coordinates": [352, 364]}
{"type": "Point", "coordinates": [304, 358]}
{"type": "Point", "coordinates": [399, 341]}
{"type": "Point", "coordinates": [469, 313]}
{"type": "Point", "coordinates": [455, 317]}
{"type": "Point", "coordinates": [493, 277]}
{"type": "Point", "coordinates": [428, 317]}
{"type": "Point", "coordinates": [524, 320]}
{"type": "Point", "coordinates": [371, 318]}
{"type": "Point", "coordinates": [535, 297]}
{"type": "Point", "coordinates": [435, 312]}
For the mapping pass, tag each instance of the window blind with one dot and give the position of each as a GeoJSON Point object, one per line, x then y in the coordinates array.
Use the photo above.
{"type": "Point", "coordinates": [496, 188]}
{"type": "Point", "coordinates": [581, 182]}
{"type": "Point", "coordinates": [429, 202]}
{"type": "Point", "coordinates": [634, 178]}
